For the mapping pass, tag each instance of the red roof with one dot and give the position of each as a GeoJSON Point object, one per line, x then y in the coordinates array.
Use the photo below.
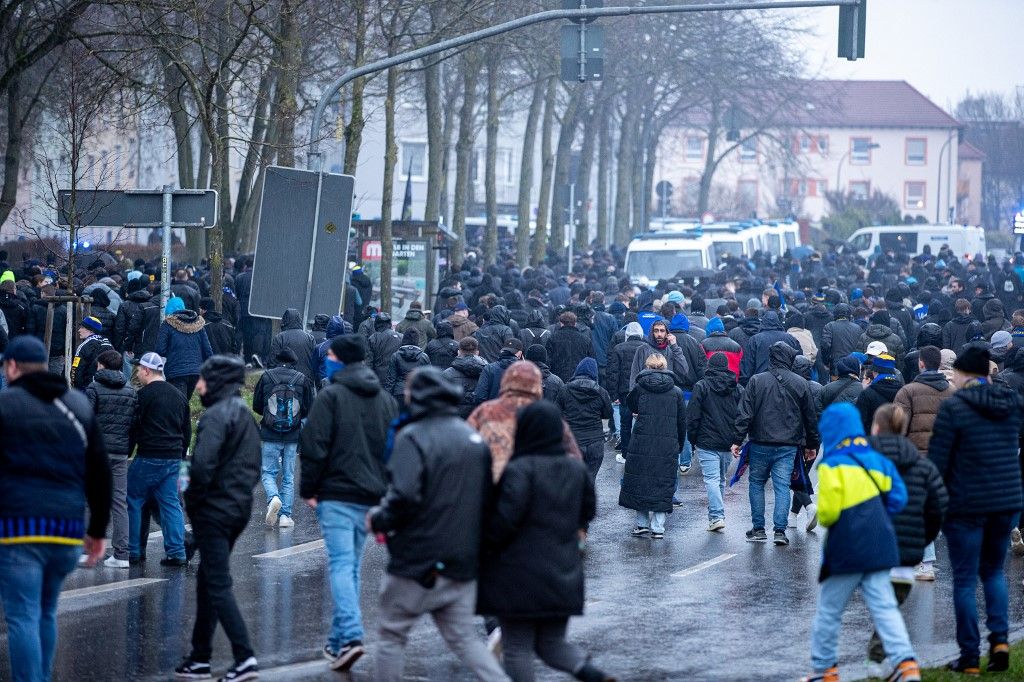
{"type": "Point", "coordinates": [868, 104]}
{"type": "Point", "coordinates": [968, 152]}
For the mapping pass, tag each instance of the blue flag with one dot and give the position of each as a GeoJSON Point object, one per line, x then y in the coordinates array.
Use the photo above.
{"type": "Point", "coordinates": [782, 298]}
{"type": "Point", "coordinates": [741, 466]}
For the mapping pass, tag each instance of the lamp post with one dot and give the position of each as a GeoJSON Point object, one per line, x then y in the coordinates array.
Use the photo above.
{"type": "Point", "coordinates": [839, 169]}
{"type": "Point", "coordinates": [938, 185]}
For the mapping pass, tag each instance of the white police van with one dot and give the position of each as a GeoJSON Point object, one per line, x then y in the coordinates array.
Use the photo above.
{"type": "Point", "coordinates": [963, 240]}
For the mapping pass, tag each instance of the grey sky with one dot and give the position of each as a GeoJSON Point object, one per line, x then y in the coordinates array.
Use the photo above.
{"type": "Point", "coordinates": [941, 47]}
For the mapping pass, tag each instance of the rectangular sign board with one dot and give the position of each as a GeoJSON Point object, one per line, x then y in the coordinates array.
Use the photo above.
{"type": "Point", "coordinates": [119, 208]}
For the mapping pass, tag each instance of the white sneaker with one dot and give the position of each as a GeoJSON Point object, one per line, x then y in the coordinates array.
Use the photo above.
{"type": "Point", "coordinates": [812, 517]}
{"type": "Point", "coordinates": [111, 562]}
{"type": "Point", "coordinates": [272, 511]}
{"type": "Point", "coordinates": [82, 559]}
{"type": "Point", "coordinates": [285, 522]}
{"type": "Point", "coordinates": [716, 525]}
{"type": "Point", "coordinates": [1016, 542]}
{"type": "Point", "coordinates": [620, 458]}
{"type": "Point", "coordinates": [794, 520]}
{"type": "Point", "coordinates": [684, 469]}
{"type": "Point", "coordinates": [924, 572]}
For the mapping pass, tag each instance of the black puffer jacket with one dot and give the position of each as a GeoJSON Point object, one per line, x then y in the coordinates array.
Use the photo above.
{"type": "Point", "coordinates": [494, 333]}
{"type": "Point", "coordinates": [440, 479]}
{"type": "Point", "coordinates": [919, 522]}
{"type": "Point", "coordinates": [711, 413]}
{"type": "Point", "coordinates": [566, 347]}
{"type": "Point", "coordinates": [777, 407]}
{"type": "Point", "coordinates": [113, 403]}
{"type": "Point", "coordinates": [401, 366]}
{"type": "Point", "coordinates": [974, 446]}
{"type": "Point", "coordinates": [881, 391]}
{"type": "Point", "coordinates": [840, 337]}
{"type": "Point", "coordinates": [892, 341]}
{"type": "Point", "coordinates": [620, 362]}
{"type": "Point", "coordinates": [301, 342]}
{"type": "Point", "coordinates": [465, 372]}
{"type": "Point", "coordinates": [227, 456]}
{"type": "Point", "coordinates": [343, 441]}
{"type": "Point", "coordinates": [843, 390]}
{"type": "Point", "coordinates": [659, 431]}
{"type": "Point", "coordinates": [443, 350]}
{"type": "Point", "coordinates": [584, 404]}
{"type": "Point", "coordinates": [381, 345]}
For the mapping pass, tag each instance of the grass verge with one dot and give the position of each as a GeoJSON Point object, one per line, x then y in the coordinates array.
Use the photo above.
{"type": "Point", "coordinates": [940, 674]}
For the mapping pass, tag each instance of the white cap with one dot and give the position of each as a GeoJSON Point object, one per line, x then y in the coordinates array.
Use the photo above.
{"type": "Point", "coordinates": [152, 361]}
{"type": "Point", "coordinates": [876, 348]}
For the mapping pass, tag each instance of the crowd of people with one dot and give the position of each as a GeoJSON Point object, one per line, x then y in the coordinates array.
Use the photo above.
{"type": "Point", "coordinates": [882, 398]}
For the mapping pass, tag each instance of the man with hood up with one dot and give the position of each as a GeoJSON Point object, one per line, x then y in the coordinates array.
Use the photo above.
{"type": "Point", "coordinates": [408, 357]}
{"type": "Point", "coordinates": [443, 349]}
{"type": "Point", "coordinates": [382, 344]}
{"type": "Point", "coordinates": [293, 336]}
{"type": "Point", "coordinates": [414, 319]}
{"type": "Point", "coordinates": [584, 404]}
{"type": "Point", "coordinates": [552, 384]}
{"type": "Point", "coordinates": [495, 332]}
{"type": "Point", "coordinates": [567, 346]}
{"type": "Point", "coordinates": [465, 371]}
{"type": "Point", "coordinates": [747, 328]}
{"type": "Point", "coordinates": [225, 469]}
{"type": "Point", "coordinates": [757, 351]}
{"type": "Point", "coordinates": [995, 318]}
{"type": "Point", "coordinates": [880, 329]}
{"type": "Point", "coordinates": [336, 326]}
{"type": "Point", "coordinates": [224, 338]}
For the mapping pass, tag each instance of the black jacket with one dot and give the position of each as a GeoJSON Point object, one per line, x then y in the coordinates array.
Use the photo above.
{"type": "Point", "coordinates": [711, 412]}
{"type": "Point", "coordinates": [114, 404]}
{"type": "Point", "coordinates": [532, 566]}
{"type": "Point", "coordinates": [293, 336]}
{"type": "Point", "coordinates": [620, 362]}
{"type": "Point", "coordinates": [974, 446]}
{"type": "Point", "coordinates": [778, 407]}
{"type": "Point", "coordinates": [60, 321]}
{"type": "Point", "coordinates": [16, 312]}
{"type": "Point", "coordinates": [489, 384]}
{"type": "Point", "coordinates": [224, 339]}
{"type": "Point", "coordinates": [379, 348]}
{"type": "Point", "coordinates": [893, 342]}
{"type": "Point", "coordinates": [401, 365]}
{"type": "Point", "coordinates": [919, 522]}
{"type": "Point", "coordinates": [83, 365]}
{"type": "Point", "coordinates": [304, 392]}
{"type": "Point", "coordinates": [566, 347]}
{"type": "Point", "coordinates": [440, 481]}
{"type": "Point", "coordinates": [465, 372]}
{"type": "Point", "coordinates": [954, 334]}
{"type": "Point", "coordinates": [137, 324]}
{"type": "Point", "coordinates": [549, 382]}
{"type": "Point", "coordinates": [494, 333]}
{"type": "Point", "coordinates": [879, 393]}
{"type": "Point", "coordinates": [839, 338]}
{"type": "Point", "coordinates": [226, 461]}
{"type": "Point", "coordinates": [659, 431]}
{"type": "Point", "coordinates": [443, 350]}
{"type": "Point", "coordinates": [758, 349]}
{"type": "Point", "coordinates": [162, 426]}
{"type": "Point", "coordinates": [843, 390]}
{"type": "Point", "coordinates": [584, 404]}
{"type": "Point", "coordinates": [746, 329]}
{"type": "Point", "coordinates": [343, 441]}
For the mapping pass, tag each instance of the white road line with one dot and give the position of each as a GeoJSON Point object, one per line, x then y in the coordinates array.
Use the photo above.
{"type": "Point", "coordinates": [155, 535]}
{"type": "Point", "coordinates": [297, 668]}
{"type": "Point", "coordinates": [701, 566]}
{"type": "Point", "coordinates": [291, 551]}
{"type": "Point", "coordinates": [110, 587]}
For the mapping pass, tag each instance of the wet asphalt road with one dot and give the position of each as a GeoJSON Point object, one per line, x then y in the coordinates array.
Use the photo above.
{"type": "Point", "coordinates": [655, 609]}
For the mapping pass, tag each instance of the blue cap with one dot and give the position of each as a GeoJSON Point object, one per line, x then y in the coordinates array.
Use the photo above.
{"type": "Point", "coordinates": [93, 324]}
{"type": "Point", "coordinates": [679, 322]}
{"type": "Point", "coordinates": [674, 297]}
{"type": "Point", "coordinates": [715, 325]}
{"type": "Point", "coordinates": [174, 304]}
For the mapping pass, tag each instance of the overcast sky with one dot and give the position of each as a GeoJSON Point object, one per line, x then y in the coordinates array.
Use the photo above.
{"type": "Point", "coordinates": [941, 47]}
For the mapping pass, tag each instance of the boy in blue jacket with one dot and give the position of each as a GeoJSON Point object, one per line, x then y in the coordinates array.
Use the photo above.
{"type": "Point", "coordinates": [858, 491]}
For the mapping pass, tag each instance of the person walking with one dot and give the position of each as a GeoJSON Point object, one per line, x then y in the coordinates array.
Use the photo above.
{"type": "Point", "coordinates": [620, 365]}
{"type": "Point", "coordinates": [294, 336]}
{"type": "Point", "coordinates": [223, 473]}
{"type": "Point", "coordinates": [162, 431]}
{"type": "Point", "coordinates": [757, 351]}
{"type": "Point", "coordinates": [584, 404]}
{"type": "Point", "coordinates": [224, 338]}
{"type": "Point", "coordinates": [859, 491]}
{"type": "Point", "coordinates": [54, 464]}
{"type": "Point", "coordinates": [414, 319]}
{"type": "Point", "coordinates": [538, 355]}
{"type": "Point", "coordinates": [711, 416]}
{"type": "Point", "coordinates": [531, 575]}
{"type": "Point", "coordinates": [840, 337]}
{"type": "Point", "coordinates": [717, 341]}
{"type": "Point", "coordinates": [567, 346]}
{"type": "Point", "coordinates": [282, 397]}
{"type": "Point", "coordinates": [343, 475]}
{"type": "Point", "coordinates": [443, 350]}
{"type": "Point", "coordinates": [465, 371]}
{"type": "Point", "coordinates": [431, 514]}
{"type": "Point", "coordinates": [382, 344]}
{"type": "Point", "coordinates": [183, 343]}
{"type": "Point", "coordinates": [489, 385]}
{"type": "Point", "coordinates": [93, 343]}
{"type": "Point", "coordinates": [974, 445]}
{"type": "Point", "coordinates": [408, 357]}
{"type": "Point", "coordinates": [881, 384]}
{"type": "Point", "coordinates": [114, 403]}
{"type": "Point", "coordinates": [659, 431]}
{"type": "Point", "coordinates": [779, 416]}
{"type": "Point", "coordinates": [845, 386]}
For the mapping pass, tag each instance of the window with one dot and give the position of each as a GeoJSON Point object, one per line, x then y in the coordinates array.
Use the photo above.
{"type": "Point", "coordinates": [860, 151]}
{"type": "Point", "coordinates": [860, 189]}
{"type": "Point", "coordinates": [662, 264]}
{"type": "Point", "coordinates": [822, 141]}
{"type": "Point", "coordinates": [805, 144]}
{"type": "Point", "coordinates": [913, 195]}
{"type": "Point", "coordinates": [413, 160]}
{"type": "Point", "coordinates": [503, 166]}
{"type": "Point", "coordinates": [897, 242]}
{"type": "Point", "coordinates": [746, 197]}
{"type": "Point", "coordinates": [694, 149]}
{"type": "Point", "coordinates": [916, 151]}
{"type": "Point", "coordinates": [748, 150]}
{"type": "Point", "coordinates": [862, 242]}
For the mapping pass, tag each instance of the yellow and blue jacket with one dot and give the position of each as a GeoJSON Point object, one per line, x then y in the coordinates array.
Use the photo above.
{"type": "Point", "coordinates": [859, 490]}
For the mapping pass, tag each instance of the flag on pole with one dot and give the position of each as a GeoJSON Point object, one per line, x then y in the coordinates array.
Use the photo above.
{"type": "Point", "coordinates": [407, 201]}
{"type": "Point", "coordinates": [782, 297]}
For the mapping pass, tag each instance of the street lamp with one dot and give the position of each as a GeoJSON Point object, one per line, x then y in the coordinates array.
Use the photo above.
{"type": "Point", "coordinates": [839, 170]}
{"type": "Point", "coordinates": [938, 185]}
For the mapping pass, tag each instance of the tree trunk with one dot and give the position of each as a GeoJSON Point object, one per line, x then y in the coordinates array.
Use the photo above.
{"type": "Point", "coordinates": [704, 197]}
{"type": "Point", "coordinates": [604, 159]}
{"type": "Point", "coordinates": [624, 168]}
{"type": "Point", "coordinates": [563, 163]}
{"type": "Point", "coordinates": [463, 153]}
{"type": "Point", "coordinates": [354, 128]}
{"type": "Point", "coordinates": [490, 170]}
{"type": "Point", "coordinates": [650, 160]}
{"type": "Point", "coordinates": [446, 159]}
{"type": "Point", "coordinates": [287, 84]}
{"type": "Point", "coordinates": [526, 173]}
{"type": "Point", "coordinates": [253, 154]}
{"type": "Point", "coordinates": [222, 165]}
{"type": "Point", "coordinates": [203, 178]}
{"type": "Point", "coordinates": [174, 89]}
{"type": "Point", "coordinates": [387, 192]}
{"type": "Point", "coordinates": [12, 152]}
{"type": "Point", "coordinates": [435, 143]}
{"type": "Point", "coordinates": [547, 164]}
{"type": "Point", "coordinates": [582, 235]}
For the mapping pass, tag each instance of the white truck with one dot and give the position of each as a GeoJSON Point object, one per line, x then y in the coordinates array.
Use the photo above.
{"type": "Point", "coordinates": [963, 240]}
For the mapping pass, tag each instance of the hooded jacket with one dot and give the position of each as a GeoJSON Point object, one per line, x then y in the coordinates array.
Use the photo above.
{"type": "Point", "coordinates": [745, 330]}
{"type": "Point", "coordinates": [882, 390]}
{"type": "Point", "coordinates": [584, 404]}
{"type": "Point", "coordinates": [461, 326]}
{"type": "Point", "coordinates": [184, 344]}
{"type": "Point", "coordinates": [401, 365]}
{"type": "Point", "coordinates": [892, 341]}
{"type": "Point", "coordinates": [439, 484]}
{"type": "Point", "coordinates": [717, 341]}
{"type": "Point", "coordinates": [954, 334]}
{"type": "Point", "coordinates": [227, 456]}
{"type": "Point", "coordinates": [284, 375]}
{"type": "Point", "coordinates": [494, 333]}
{"type": "Point", "coordinates": [778, 408]}
{"type": "Point", "coordinates": [465, 371]}
{"type": "Point", "coordinates": [974, 446]}
{"type": "Point", "coordinates": [620, 365]}
{"type": "Point", "coordinates": [711, 412]}
{"type": "Point", "coordinates": [301, 342]}
{"type": "Point", "coordinates": [137, 324]}
{"type": "Point", "coordinates": [845, 389]}
{"type": "Point", "coordinates": [673, 354]}
{"type": "Point", "coordinates": [921, 400]}
{"type": "Point", "coordinates": [114, 403]}
{"type": "Point", "coordinates": [928, 335]}
{"type": "Point", "coordinates": [995, 318]}
{"type": "Point", "coordinates": [659, 431]}
{"type": "Point", "coordinates": [840, 337]}
{"type": "Point", "coordinates": [382, 344]}
{"type": "Point", "coordinates": [336, 326]}
{"type": "Point", "coordinates": [920, 521]}
{"type": "Point", "coordinates": [224, 338]}
{"type": "Point", "coordinates": [550, 382]}
{"type": "Point", "coordinates": [414, 319]}
{"type": "Point", "coordinates": [343, 441]}
{"type": "Point", "coordinates": [566, 347]}
{"type": "Point", "coordinates": [858, 491]}
{"type": "Point", "coordinates": [757, 351]}
{"type": "Point", "coordinates": [443, 349]}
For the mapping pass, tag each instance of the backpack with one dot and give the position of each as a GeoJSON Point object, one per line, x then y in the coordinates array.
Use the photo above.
{"type": "Point", "coordinates": [283, 411]}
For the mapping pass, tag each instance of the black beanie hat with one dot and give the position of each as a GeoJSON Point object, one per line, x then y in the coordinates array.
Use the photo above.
{"type": "Point", "coordinates": [973, 360]}
{"type": "Point", "coordinates": [349, 348]}
{"type": "Point", "coordinates": [411, 337]}
{"type": "Point", "coordinates": [536, 353]}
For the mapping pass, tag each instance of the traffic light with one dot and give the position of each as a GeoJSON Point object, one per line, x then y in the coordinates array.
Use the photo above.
{"type": "Point", "coordinates": [852, 23]}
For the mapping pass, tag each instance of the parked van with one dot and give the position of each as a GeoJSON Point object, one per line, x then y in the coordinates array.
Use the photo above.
{"type": "Point", "coordinates": [963, 240]}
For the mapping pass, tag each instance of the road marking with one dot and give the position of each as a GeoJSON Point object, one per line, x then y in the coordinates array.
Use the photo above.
{"type": "Point", "coordinates": [291, 551]}
{"type": "Point", "coordinates": [110, 587]}
{"type": "Point", "coordinates": [701, 566]}
{"type": "Point", "coordinates": [297, 668]}
{"type": "Point", "coordinates": [155, 535]}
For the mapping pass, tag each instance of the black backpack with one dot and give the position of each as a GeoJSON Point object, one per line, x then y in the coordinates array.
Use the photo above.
{"type": "Point", "coordinates": [283, 410]}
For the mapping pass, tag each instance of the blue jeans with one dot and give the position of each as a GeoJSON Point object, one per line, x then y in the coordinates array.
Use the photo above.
{"type": "Point", "coordinates": [156, 478]}
{"type": "Point", "coordinates": [977, 549]}
{"type": "Point", "coordinates": [278, 456]}
{"type": "Point", "coordinates": [653, 520]}
{"type": "Point", "coordinates": [833, 595]}
{"type": "Point", "coordinates": [776, 461]}
{"type": "Point", "coordinates": [343, 526]}
{"type": "Point", "coordinates": [32, 576]}
{"type": "Point", "coordinates": [715, 466]}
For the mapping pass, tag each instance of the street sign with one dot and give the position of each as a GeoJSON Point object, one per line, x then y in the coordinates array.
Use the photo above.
{"type": "Point", "coordinates": [570, 42]}
{"type": "Point", "coordinates": [580, 4]}
{"type": "Point", "coordinates": [592, 71]}
{"type": "Point", "coordinates": [137, 208]}
{"type": "Point", "coordinates": [663, 189]}
{"type": "Point", "coordinates": [581, 46]}
{"type": "Point", "coordinates": [296, 265]}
